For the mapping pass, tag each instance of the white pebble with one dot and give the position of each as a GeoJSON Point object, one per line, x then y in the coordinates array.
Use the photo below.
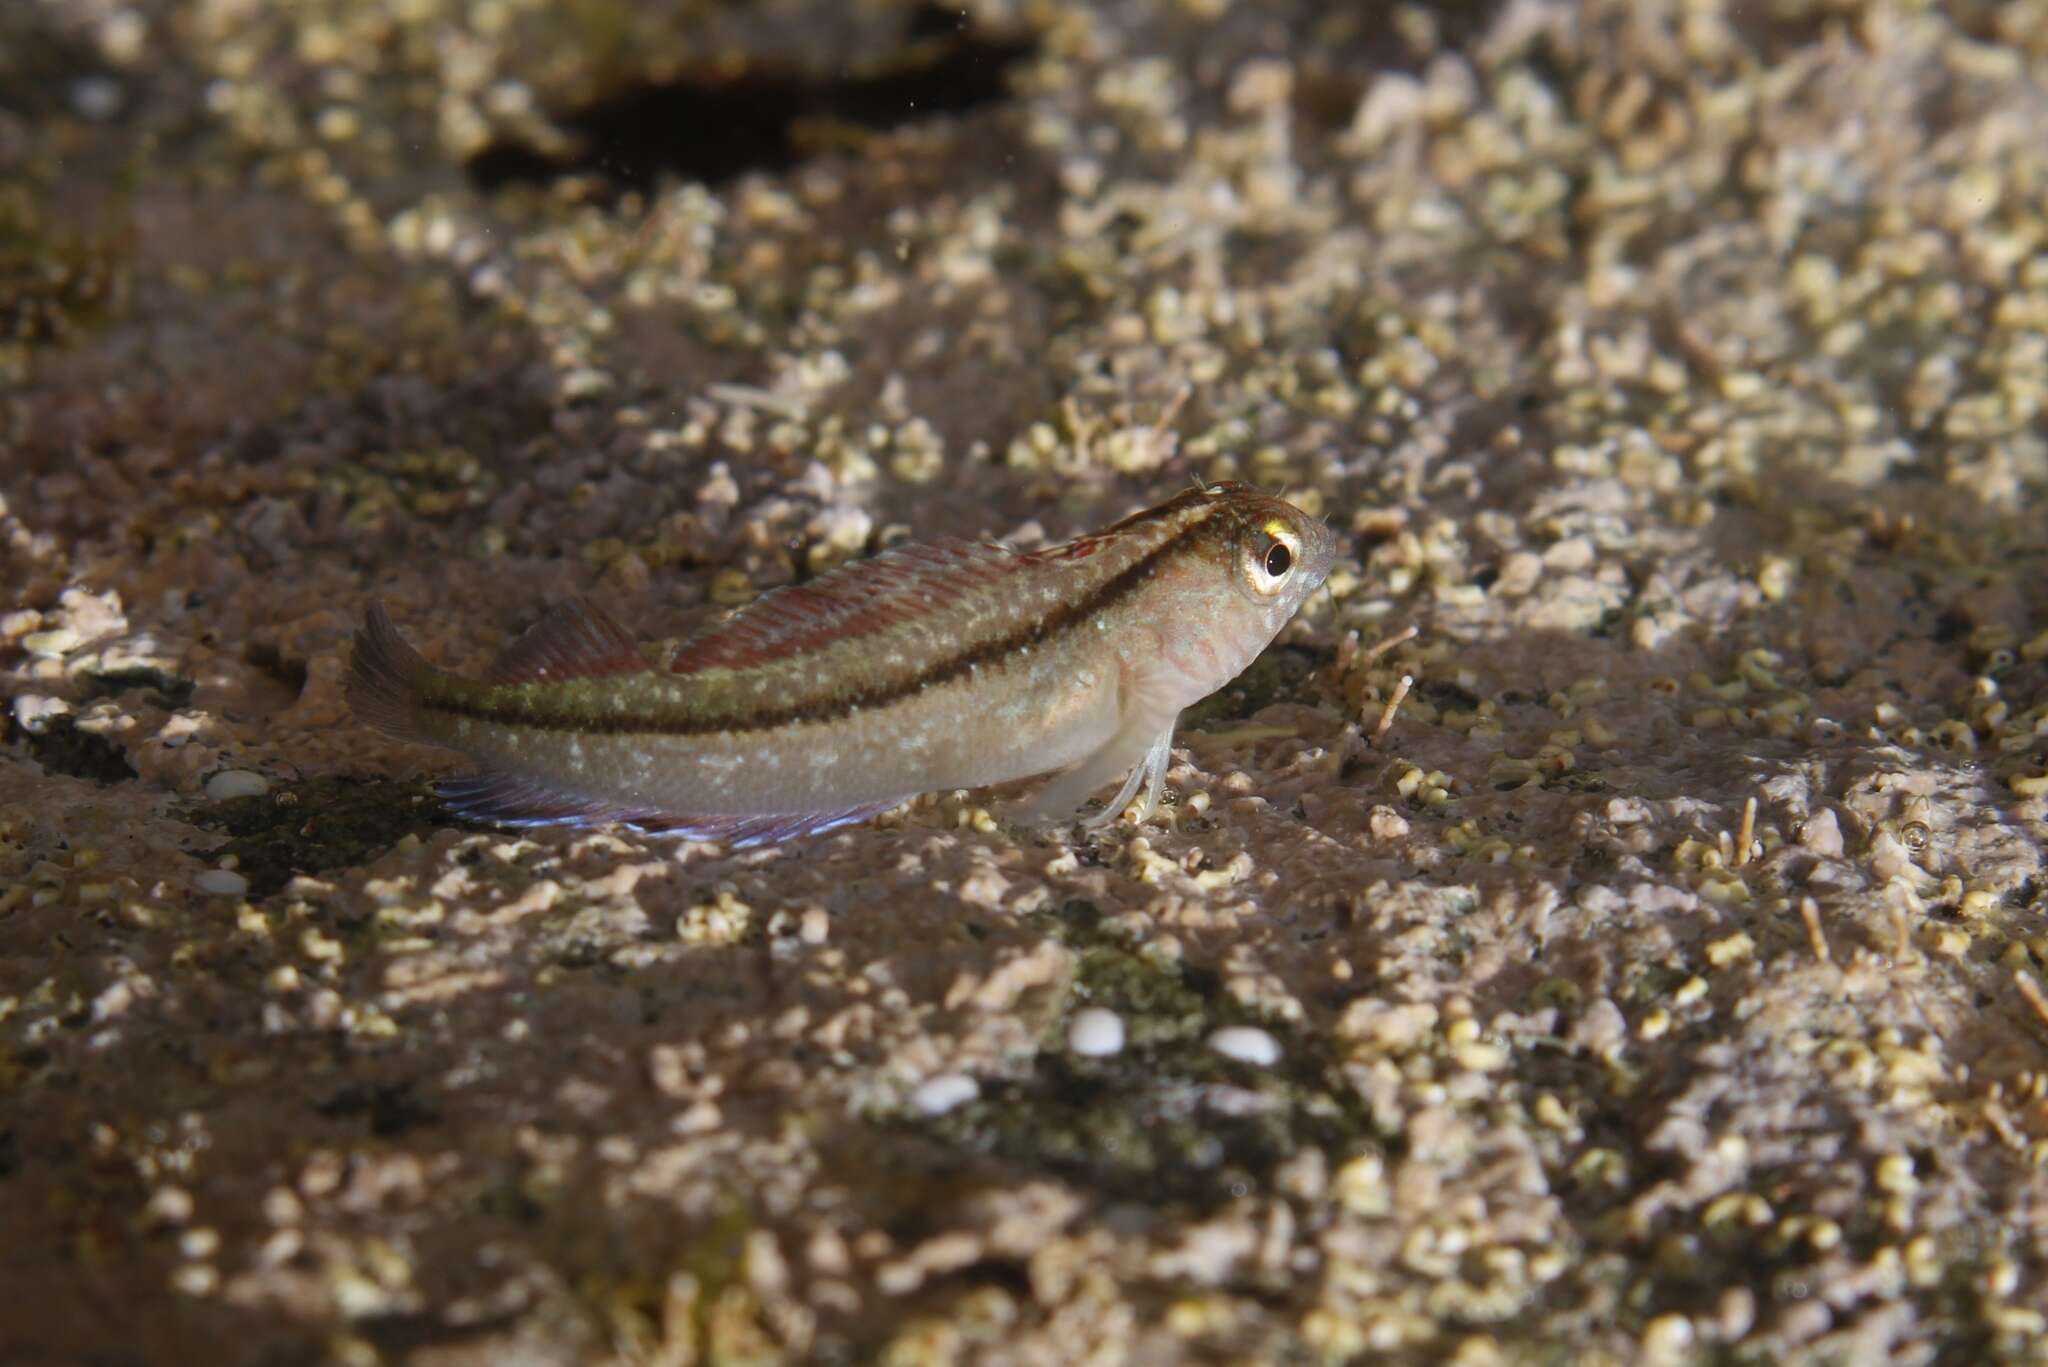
{"type": "Point", "coordinates": [56, 642]}
{"type": "Point", "coordinates": [34, 711]}
{"type": "Point", "coordinates": [1246, 1044]}
{"type": "Point", "coordinates": [1095, 1032]}
{"type": "Point", "coordinates": [233, 783]}
{"type": "Point", "coordinates": [943, 1093]}
{"type": "Point", "coordinates": [224, 882]}
{"type": "Point", "coordinates": [98, 98]}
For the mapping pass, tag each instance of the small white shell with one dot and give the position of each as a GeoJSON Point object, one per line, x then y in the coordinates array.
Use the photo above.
{"type": "Point", "coordinates": [233, 783]}
{"type": "Point", "coordinates": [222, 883]}
{"type": "Point", "coordinates": [1095, 1032]}
{"type": "Point", "coordinates": [1246, 1044]}
{"type": "Point", "coordinates": [946, 1092]}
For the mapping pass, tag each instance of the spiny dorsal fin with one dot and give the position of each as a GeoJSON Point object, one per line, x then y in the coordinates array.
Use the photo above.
{"type": "Point", "coordinates": [573, 640]}
{"type": "Point", "coordinates": [854, 600]}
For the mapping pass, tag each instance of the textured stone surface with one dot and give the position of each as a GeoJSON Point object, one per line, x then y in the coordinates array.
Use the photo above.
{"type": "Point", "coordinates": [1676, 369]}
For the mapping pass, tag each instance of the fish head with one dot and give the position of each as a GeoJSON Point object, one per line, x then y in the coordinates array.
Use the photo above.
{"type": "Point", "coordinates": [1245, 565]}
{"type": "Point", "coordinates": [1276, 555]}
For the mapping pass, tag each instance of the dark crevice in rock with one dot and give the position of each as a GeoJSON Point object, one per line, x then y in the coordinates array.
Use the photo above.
{"type": "Point", "coordinates": [62, 748]}
{"type": "Point", "coordinates": [312, 826]}
{"type": "Point", "coordinates": [276, 666]}
{"type": "Point", "coordinates": [711, 129]}
{"type": "Point", "coordinates": [390, 1107]}
{"type": "Point", "coordinates": [172, 690]}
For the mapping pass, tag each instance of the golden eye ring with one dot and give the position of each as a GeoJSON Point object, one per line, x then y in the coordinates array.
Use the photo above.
{"type": "Point", "coordinates": [1271, 560]}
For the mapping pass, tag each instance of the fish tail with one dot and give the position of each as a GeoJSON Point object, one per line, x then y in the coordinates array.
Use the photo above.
{"type": "Point", "coordinates": [387, 679]}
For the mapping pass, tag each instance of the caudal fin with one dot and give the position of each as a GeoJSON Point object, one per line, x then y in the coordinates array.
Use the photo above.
{"type": "Point", "coordinates": [386, 677]}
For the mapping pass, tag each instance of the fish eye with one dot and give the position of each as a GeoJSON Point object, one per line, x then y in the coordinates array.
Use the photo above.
{"type": "Point", "coordinates": [1270, 559]}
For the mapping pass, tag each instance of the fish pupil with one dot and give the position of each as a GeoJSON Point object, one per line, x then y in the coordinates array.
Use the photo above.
{"type": "Point", "coordinates": [1278, 560]}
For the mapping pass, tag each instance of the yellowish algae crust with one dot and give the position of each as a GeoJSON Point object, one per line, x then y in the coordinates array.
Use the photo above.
{"type": "Point", "coordinates": [1667, 984]}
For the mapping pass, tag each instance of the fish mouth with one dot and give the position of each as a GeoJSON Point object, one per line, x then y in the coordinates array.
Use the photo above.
{"type": "Point", "coordinates": [1321, 544]}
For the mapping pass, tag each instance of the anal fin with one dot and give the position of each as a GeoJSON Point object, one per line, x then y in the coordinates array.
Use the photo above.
{"type": "Point", "coordinates": [507, 800]}
{"type": "Point", "coordinates": [740, 832]}
{"type": "Point", "coordinates": [498, 799]}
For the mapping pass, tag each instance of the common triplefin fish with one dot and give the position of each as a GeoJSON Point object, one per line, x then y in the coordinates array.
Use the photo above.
{"type": "Point", "coordinates": [936, 665]}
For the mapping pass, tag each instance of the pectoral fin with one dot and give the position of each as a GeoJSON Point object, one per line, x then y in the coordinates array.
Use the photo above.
{"type": "Point", "coordinates": [1143, 746]}
{"type": "Point", "coordinates": [1151, 770]}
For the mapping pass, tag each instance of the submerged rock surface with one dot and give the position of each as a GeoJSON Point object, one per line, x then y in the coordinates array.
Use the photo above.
{"type": "Point", "coordinates": [1664, 986]}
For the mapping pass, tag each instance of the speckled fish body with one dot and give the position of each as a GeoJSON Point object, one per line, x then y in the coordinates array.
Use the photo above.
{"type": "Point", "coordinates": [942, 665]}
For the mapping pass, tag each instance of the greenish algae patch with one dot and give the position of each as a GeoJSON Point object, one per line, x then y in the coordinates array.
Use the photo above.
{"type": "Point", "coordinates": [55, 285]}
{"type": "Point", "coordinates": [434, 484]}
{"type": "Point", "coordinates": [1168, 1117]}
{"type": "Point", "coordinates": [704, 1310]}
{"type": "Point", "coordinates": [313, 825]}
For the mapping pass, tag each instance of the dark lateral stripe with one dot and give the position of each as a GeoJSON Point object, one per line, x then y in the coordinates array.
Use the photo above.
{"type": "Point", "coordinates": [835, 708]}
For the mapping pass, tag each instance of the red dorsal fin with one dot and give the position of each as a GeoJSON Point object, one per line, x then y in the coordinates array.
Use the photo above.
{"type": "Point", "coordinates": [573, 640]}
{"type": "Point", "coordinates": [866, 596]}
